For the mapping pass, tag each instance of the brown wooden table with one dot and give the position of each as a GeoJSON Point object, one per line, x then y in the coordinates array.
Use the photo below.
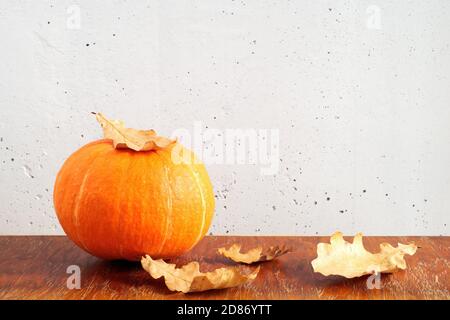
{"type": "Point", "coordinates": [34, 267]}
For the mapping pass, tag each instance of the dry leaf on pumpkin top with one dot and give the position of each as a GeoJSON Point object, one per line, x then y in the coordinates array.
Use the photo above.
{"type": "Point", "coordinates": [254, 255]}
{"type": "Point", "coordinates": [137, 140]}
{"type": "Point", "coordinates": [351, 260]}
{"type": "Point", "coordinates": [189, 278]}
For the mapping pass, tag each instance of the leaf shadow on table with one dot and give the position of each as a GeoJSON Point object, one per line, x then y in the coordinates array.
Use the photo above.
{"type": "Point", "coordinates": [336, 281]}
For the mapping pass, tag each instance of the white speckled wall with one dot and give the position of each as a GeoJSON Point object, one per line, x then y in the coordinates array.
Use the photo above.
{"type": "Point", "coordinates": [359, 91]}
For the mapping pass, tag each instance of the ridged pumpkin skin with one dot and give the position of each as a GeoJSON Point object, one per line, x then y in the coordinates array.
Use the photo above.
{"type": "Point", "coordinates": [123, 204]}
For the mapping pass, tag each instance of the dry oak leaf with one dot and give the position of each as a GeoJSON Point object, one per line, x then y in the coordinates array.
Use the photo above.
{"type": "Point", "coordinates": [188, 278]}
{"type": "Point", "coordinates": [253, 255]}
{"type": "Point", "coordinates": [137, 140]}
{"type": "Point", "coordinates": [351, 260]}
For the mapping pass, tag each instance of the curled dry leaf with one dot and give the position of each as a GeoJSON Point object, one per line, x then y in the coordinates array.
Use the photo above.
{"type": "Point", "coordinates": [189, 278]}
{"type": "Point", "coordinates": [253, 255]}
{"type": "Point", "coordinates": [137, 140]}
{"type": "Point", "coordinates": [351, 260]}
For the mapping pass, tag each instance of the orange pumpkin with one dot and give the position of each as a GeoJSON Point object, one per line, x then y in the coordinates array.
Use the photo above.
{"type": "Point", "coordinates": [123, 204]}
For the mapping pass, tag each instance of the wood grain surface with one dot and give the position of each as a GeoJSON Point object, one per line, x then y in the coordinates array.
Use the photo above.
{"type": "Point", "coordinates": [34, 267]}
